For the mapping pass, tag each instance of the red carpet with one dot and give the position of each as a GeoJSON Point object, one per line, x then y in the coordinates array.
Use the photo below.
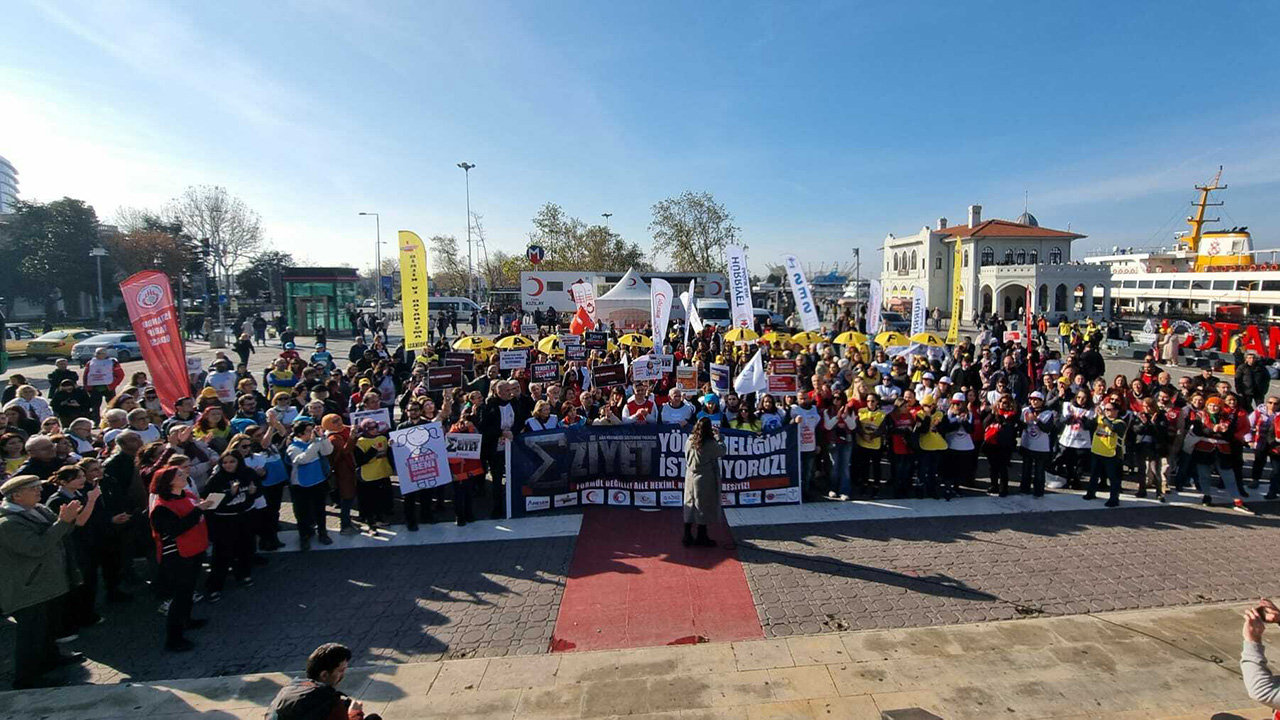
{"type": "Point", "coordinates": [632, 584]}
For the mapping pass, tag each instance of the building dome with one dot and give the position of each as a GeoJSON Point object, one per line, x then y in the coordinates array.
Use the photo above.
{"type": "Point", "coordinates": [1027, 218]}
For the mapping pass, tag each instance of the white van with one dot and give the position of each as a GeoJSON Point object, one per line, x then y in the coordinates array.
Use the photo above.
{"type": "Point", "coordinates": [462, 306]}
{"type": "Point", "coordinates": [714, 311]}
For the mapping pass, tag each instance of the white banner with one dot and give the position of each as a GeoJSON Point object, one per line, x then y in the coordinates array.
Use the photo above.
{"type": "Point", "coordinates": [584, 294]}
{"type": "Point", "coordinates": [800, 292]}
{"type": "Point", "coordinates": [874, 307]}
{"type": "Point", "coordinates": [660, 297]}
{"type": "Point", "coordinates": [918, 310]}
{"type": "Point", "coordinates": [691, 318]}
{"type": "Point", "coordinates": [464, 446]}
{"type": "Point", "coordinates": [382, 416]}
{"type": "Point", "coordinates": [739, 287]}
{"type": "Point", "coordinates": [645, 367]}
{"type": "Point", "coordinates": [752, 377]}
{"type": "Point", "coordinates": [422, 457]}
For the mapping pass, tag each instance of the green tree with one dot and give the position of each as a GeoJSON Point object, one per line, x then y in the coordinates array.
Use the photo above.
{"type": "Point", "coordinates": [693, 230]}
{"type": "Point", "coordinates": [44, 250]}
{"type": "Point", "coordinates": [572, 244]}
{"type": "Point", "coordinates": [263, 273]}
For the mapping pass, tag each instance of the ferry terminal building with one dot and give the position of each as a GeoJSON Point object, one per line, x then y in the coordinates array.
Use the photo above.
{"type": "Point", "coordinates": [999, 261]}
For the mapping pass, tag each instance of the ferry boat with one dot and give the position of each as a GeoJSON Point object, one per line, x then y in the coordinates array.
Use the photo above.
{"type": "Point", "coordinates": [1206, 273]}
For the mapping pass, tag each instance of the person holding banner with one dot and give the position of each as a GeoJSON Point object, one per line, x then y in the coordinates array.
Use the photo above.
{"type": "Point", "coordinates": [702, 501]}
{"type": "Point", "coordinates": [465, 472]}
{"type": "Point", "coordinates": [500, 421]}
{"type": "Point", "coordinates": [372, 453]}
{"type": "Point", "coordinates": [542, 418]}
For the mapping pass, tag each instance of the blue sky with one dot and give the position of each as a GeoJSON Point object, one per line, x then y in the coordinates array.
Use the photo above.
{"type": "Point", "coordinates": [821, 125]}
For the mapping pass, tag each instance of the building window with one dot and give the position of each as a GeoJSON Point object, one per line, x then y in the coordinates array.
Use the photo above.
{"type": "Point", "coordinates": [1034, 257]}
{"type": "Point", "coordinates": [1008, 256]}
{"type": "Point", "coordinates": [966, 258]}
{"type": "Point", "coordinates": [937, 263]}
{"type": "Point", "coordinates": [1022, 257]}
{"type": "Point", "coordinates": [895, 261]}
{"type": "Point", "coordinates": [988, 257]}
{"type": "Point", "coordinates": [914, 263]}
{"type": "Point", "coordinates": [1055, 256]}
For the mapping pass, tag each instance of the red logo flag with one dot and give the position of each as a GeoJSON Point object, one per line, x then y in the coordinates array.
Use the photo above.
{"type": "Point", "coordinates": [581, 322]}
{"type": "Point", "coordinates": [155, 322]}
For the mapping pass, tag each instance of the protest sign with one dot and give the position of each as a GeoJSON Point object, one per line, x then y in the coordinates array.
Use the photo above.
{"type": "Point", "coordinates": [513, 359]}
{"type": "Point", "coordinates": [687, 377]}
{"type": "Point", "coordinates": [595, 340]}
{"type": "Point", "coordinates": [643, 466]}
{"type": "Point", "coordinates": [645, 368]}
{"type": "Point", "coordinates": [382, 416]}
{"type": "Point", "coordinates": [720, 378]}
{"type": "Point", "coordinates": [782, 367]}
{"type": "Point", "coordinates": [1014, 336]}
{"type": "Point", "coordinates": [609, 375]}
{"type": "Point", "coordinates": [666, 361]}
{"type": "Point", "coordinates": [464, 359]}
{"type": "Point", "coordinates": [444, 376]}
{"type": "Point", "coordinates": [575, 353]}
{"type": "Point", "coordinates": [421, 456]}
{"type": "Point", "coordinates": [195, 365]}
{"type": "Point", "coordinates": [782, 384]}
{"type": "Point", "coordinates": [463, 446]}
{"type": "Point", "coordinates": [544, 372]}
{"type": "Point", "coordinates": [567, 339]}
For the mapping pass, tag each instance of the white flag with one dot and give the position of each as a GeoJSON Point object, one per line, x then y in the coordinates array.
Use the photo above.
{"type": "Point", "coordinates": [917, 310]}
{"type": "Point", "coordinates": [752, 377]}
{"type": "Point", "coordinates": [584, 294]}
{"type": "Point", "coordinates": [660, 297]}
{"type": "Point", "coordinates": [739, 287]}
{"type": "Point", "coordinates": [691, 319]}
{"type": "Point", "coordinates": [875, 301]}
{"type": "Point", "coordinates": [801, 293]}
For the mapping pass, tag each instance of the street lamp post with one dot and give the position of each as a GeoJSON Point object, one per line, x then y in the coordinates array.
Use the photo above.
{"type": "Point", "coordinates": [377, 259]}
{"type": "Point", "coordinates": [606, 217]}
{"type": "Point", "coordinates": [97, 254]}
{"type": "Point", "coordinates": [471, 276]}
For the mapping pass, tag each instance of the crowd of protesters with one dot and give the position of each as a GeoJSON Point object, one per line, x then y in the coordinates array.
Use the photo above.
{"type": "Point", "coordinates": [102, 468]}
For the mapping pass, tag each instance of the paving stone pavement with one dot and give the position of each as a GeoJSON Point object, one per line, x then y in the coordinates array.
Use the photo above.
{"type": "Point", "coordinates": [810, 579]}
{"type": "Point", "coordinates": [411, 604]}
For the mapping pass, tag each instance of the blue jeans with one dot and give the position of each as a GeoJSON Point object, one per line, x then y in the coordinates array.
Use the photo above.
{"type": "Point", "coordinates": [841, 455]}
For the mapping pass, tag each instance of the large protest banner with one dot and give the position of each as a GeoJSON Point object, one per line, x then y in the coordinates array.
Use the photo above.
{"type": "Point", "coordinates": [643, 466]}
{"type": "Point", "coordinates": [413, 290]}
{"type": "Point", "coordinates": [155, 323]}
{"type": "Point", "coordinates": [421, 457]}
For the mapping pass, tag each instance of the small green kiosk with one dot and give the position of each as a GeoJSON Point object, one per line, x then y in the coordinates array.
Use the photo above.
{"type": "Point", "coordinates": [318, 297]}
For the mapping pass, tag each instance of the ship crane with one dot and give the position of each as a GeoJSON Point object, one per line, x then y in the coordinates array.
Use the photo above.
{"type": "Point", "coordinates": [1198, 220]}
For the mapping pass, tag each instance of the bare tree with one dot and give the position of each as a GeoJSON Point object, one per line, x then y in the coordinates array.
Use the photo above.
{"type": "Point", "coordinates": [223, 223]}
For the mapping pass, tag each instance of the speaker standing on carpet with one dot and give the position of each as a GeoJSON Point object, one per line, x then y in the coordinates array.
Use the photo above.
{"type": "Point", "coordinates": [702, 482]}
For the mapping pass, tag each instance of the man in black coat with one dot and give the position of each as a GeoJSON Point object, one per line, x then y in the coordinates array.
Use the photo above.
{"type": "Point", "coordinates": [61, 372]}
{"type": "Point", "coordinates": [1252, 380]}
{"type": "Point", "coordinates": [501, 419]}
{"type": "Point", "coordinates": [1091, 363]}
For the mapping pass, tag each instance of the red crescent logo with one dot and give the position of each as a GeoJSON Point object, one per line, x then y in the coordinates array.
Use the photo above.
{"type": "Point", "coordinates": [718, 288]}
{"type": "Point", "coordinates": [619, 497]}
{"type": "Point", "coordinates": [631, 282]}
{"type": "Point", "coordinates": [541, 286]}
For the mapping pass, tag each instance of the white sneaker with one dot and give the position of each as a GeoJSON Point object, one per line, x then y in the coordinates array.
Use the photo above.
{"type": "Point", "coordinates": [832, 494]}
{"type": "Point", "coordinates": [844, 498]}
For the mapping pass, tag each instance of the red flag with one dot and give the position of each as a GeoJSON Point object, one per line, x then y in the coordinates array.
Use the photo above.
{"type": "Point", "coordinates": [581, 322]}
{"type": "Point", "coordinates": [155, 323]}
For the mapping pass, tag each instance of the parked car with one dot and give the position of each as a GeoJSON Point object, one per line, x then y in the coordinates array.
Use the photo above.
{"type": "Point", "coordinates": [369, 303]}
{"type": "Point", "coordinates": [121, 346]}
{"type": "Point", "coordinates": [16, 339]}
{"type": "Point", "coordinates": [894, 321]}
{"type": "Point", "coordinates": [57, 343]}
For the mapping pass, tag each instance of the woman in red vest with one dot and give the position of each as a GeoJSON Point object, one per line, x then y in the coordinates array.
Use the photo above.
{"type": "Point", "coordinates": [181, 535]}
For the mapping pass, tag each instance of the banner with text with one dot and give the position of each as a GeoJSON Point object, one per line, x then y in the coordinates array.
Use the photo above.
{"type": "Point", "coordinates": [149, 299]}
{"type": "Point", "coordinates": [739, 287]}
{"type": "Point", "coordinates": [413, 290]}
{"type": "Point", "coordinates": [801, 293]}
{"type": "Point", "coordinates": [643, 466]}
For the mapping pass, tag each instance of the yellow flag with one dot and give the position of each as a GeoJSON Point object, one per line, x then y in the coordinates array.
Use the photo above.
{"type": "Point", "coordinates": [413, 290]}
{"type": "Point", "coordinates": [957, 295]}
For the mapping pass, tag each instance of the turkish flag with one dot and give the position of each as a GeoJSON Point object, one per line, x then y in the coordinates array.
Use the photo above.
{"type": "Point", "coordinates": [581, 322]}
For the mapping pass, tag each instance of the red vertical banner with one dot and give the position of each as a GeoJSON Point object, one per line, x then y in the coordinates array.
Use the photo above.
{"type": "Point", "coordinates": [1031, 371]}
{"type": "Point", "coordinates": [155, 321]}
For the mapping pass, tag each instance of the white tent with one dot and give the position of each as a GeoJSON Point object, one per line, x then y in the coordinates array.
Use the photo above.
{"type": "Point", "coordinates": [627, 303]}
